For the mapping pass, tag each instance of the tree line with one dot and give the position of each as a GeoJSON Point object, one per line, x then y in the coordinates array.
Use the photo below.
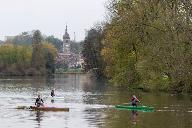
{"type": "Point", "coordinates": [26, 38]}
{"type": "Point", "coordinates": [144, 44]}
{"type": "Point", "coordinates": [35, 59]}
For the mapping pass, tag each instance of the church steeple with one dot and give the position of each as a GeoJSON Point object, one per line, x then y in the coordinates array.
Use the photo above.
{"type": "Point", "coordinates": [66, 36]}
{"type": "Point", "coordinates": [66, 29]}
{"type": "Point", "coordinates": [66, 42]}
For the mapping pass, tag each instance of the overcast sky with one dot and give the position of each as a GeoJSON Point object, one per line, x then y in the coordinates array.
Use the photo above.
{"type": "Point", "coordinates": [50, 16]}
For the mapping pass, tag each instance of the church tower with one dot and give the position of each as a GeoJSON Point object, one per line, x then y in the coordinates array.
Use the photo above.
{"type": "Point", "coordinates": [66, 42]}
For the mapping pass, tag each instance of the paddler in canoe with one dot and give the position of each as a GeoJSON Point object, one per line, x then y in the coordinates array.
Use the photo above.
{"type": "Point", "coordinates": [39, 101]}
{"type": "Point", "coordinates": [134, 101]}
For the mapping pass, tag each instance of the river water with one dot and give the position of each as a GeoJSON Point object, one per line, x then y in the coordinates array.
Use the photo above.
{"type": "Point", "coordinates": [91, 105]}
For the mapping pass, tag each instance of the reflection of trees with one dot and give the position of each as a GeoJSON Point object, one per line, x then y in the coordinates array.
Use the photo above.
{"type": "Point", "coordinates": [90, 84]}
{"type": "Point", "coordinates": [39, 82]}
{"type": "Point", "coordinates": [50, 81]}
{"type": "Point", "coordinates": [118, 119]}
{"type": "Point", "coordinates": [97, 89]}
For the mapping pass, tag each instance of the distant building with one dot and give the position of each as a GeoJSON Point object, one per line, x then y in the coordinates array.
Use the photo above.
{"type": "Point", "coordinates": [66, 42]}
{"type": "Point", "coordinates": [66, 56]}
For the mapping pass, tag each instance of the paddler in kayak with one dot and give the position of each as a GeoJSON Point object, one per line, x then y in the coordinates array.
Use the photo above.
{"type": "Point", "coordinates": [52, 93]}
{"type": "Point", "coordinates": [39, 102]}
{"type": "Point", "coordinates": [134, 101]}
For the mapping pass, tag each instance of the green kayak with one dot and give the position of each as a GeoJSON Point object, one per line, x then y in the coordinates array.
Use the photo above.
{"type": "Point", "coordinates": [139, 108]}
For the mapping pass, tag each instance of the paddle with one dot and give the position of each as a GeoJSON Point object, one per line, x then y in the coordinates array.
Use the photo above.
{"type": "Point", "coordinates": [131, 103]}
{"type": "Point", "coordinates": [136, 101]}
{"type": "Point", "coordinates": [141, 103]}
{"type": "Point", "coordinates": [127, 103]}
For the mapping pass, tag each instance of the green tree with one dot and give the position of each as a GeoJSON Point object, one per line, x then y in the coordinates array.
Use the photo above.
{"type": "Point", "coordinates": [25, 38]}
{"type": "Point", "coordinates": [55, 41]}
{"type": "Point", "coordinates": [76, 47]}
{"type": "Point", "coordinates": [38, 61]}
{"type": "Point", "coordinates": [149, 41]}
{"type": "Point", "coordinates": [15, 59]}
{"type": "Point", "coordinates": [50, 53]}
{"type": "Point", "coordinates": [92, 46]}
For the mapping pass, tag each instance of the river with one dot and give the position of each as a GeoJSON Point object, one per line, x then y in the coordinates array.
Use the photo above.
{"type": "Point", "coordinates": [91, 105]}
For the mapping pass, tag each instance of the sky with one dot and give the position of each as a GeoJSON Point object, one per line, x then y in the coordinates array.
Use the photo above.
{"type": "Point", "coordinates": [50, 16]}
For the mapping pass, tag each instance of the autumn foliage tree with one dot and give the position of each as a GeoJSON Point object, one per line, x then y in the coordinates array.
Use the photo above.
{"type": "Point", "coordinates": [147, 44]}
{"type": "Point", "coordinates": [26, 60]}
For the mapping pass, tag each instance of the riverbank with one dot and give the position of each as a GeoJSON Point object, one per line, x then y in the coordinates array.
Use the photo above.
{"type": "Point", "coordinates": [70, 71]}
{"type": "Point", "coordinates": [32, 72]}
{"type": "Point", "coordinates": [14, 71]}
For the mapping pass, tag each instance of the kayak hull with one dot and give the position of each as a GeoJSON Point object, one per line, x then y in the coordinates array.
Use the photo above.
{"type": "Point", "coordinates": [139, 108]}
{"type": "Point", "coordinates": [34, 108]}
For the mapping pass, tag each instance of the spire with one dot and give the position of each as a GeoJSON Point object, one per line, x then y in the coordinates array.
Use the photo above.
{"type": "Point", "coordinates": [66, 35]}
{"type": "Point", "coordinates": [66, 29]}
{"type": "Point", "coordinates": [74, 37]}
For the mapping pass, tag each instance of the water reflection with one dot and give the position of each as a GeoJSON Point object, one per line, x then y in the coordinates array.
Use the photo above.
{"type": "Point", "coordinates": [134, 115]}
{"type": "Point", "coordinates": [52, 100]}
{"type": "Point", "coordinates": [39, 118]}
{"type": "Point", "coordinates": [91, 104]}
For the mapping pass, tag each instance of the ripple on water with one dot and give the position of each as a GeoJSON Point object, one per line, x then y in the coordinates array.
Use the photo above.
{"type": "Point", "coordinates": [88, 107]}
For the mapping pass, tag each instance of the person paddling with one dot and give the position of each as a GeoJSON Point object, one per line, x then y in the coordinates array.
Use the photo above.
{"type": "Point", "coordinates": [52, 93]}
{"type": "Point", "coordinates": [39, 102]}
{"type": "Point", "coordinates": [134, 101]}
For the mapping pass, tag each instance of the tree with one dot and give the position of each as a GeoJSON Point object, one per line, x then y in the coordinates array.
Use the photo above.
{"type": "Point", "coordinates": [38, 61]}
{"type": "Point", "coordinates": [25, 38]}
{"type": "Point", "coordinates": [92, 46]}
{"type": "Point", "coordinates": [50, 53]}
{"type": "Point", "coordinates": [76, 47]}
{"type": "Point", "coordinates": [150, 42]}
{"type": "Point", "coordinates": [55, 41]}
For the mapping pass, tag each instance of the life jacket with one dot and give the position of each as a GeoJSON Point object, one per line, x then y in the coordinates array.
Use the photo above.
{"type": "Point", "coordinates": [39, 101]}
{"type": "Point", "coordinates": [134, 100]}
